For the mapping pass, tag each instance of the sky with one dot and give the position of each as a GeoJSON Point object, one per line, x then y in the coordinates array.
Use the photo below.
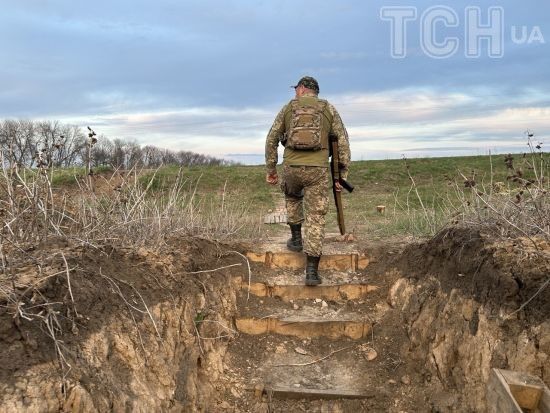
{"type": "Point", "coordinates": [210, 76]}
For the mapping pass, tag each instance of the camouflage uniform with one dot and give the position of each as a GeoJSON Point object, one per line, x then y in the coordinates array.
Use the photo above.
{"type": "Point", "coordinates": [305, 187]}
{"type": "Point", "coordinates": [306, 175]}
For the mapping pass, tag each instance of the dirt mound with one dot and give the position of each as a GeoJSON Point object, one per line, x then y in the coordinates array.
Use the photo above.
{"type": "Point", "coordinates": [125, 331]}
{"type": "Point", "coordinates": [503, 273]}
{"type": "Point", "coordinates": [469, 305]}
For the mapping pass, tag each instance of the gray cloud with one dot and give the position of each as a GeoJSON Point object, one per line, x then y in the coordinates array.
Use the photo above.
{"type": "Point", "coordinates": [187, 73]}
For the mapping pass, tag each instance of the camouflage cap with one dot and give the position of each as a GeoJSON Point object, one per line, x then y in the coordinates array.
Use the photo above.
{"type": "Point", "coordinates": [309, 82]}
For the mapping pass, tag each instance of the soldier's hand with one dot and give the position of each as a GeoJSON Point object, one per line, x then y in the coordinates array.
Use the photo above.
{"type": "Point", "coordinates": [337, 186]}
{"type": "Point", "coordinates": [272, 179]}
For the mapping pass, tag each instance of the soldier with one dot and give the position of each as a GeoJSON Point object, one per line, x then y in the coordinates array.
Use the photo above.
{"type": "Point", "coordinates": [303, 126]}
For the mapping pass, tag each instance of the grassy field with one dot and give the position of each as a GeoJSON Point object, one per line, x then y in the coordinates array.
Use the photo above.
{"type": "Point", "coordinates": [420, 195]}
{"type": "Point", "coordinates": [418, 209]}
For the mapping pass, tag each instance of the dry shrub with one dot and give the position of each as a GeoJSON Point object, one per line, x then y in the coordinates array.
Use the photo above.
{"type": "Point", "coordinates": [518, 208]}
{"type": "Point", "coordinates": [128, 211]}
{"type": "Point", "coordinates": [134, 214]}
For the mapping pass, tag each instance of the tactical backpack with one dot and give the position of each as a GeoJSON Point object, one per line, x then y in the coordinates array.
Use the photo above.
{"type": "Point", "coordinates": [305, 126]}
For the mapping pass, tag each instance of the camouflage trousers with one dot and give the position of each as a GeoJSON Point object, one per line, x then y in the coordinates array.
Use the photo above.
{"type": "Point", "coordinates": [306, 196]}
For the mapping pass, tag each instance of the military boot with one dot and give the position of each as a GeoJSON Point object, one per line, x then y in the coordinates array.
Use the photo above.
{"type": "Point", "coordinates": [312, 270]}
{"type": "Point", "coordinates": [295, 243]}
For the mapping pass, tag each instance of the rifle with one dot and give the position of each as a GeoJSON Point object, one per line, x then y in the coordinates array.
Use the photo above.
{"type": "Point", "coordinates": [335, 172]}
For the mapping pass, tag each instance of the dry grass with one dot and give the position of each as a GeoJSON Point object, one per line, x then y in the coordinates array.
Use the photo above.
{"type": "Point", "coordinates": [127, 211]}
{"type": "Point", "coordinates": [516, 205]}
{"type": "Point", "coordinates": [518, 208]}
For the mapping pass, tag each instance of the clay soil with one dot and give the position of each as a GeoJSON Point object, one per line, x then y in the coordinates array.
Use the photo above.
{"type": "Point", "coordinates": [444, 314]}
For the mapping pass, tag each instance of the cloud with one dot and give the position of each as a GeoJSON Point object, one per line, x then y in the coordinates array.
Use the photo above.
{"type": "Point", "coordinates": [211, 130]}
{"type": "Point", "coordinates": [344, 55]}
{"type": "Point", "coordinates": [416, 121]}
{"type": "Point", "coordinates": [212, 75]}
{"type": "Point", "coordinates": [384, 125]}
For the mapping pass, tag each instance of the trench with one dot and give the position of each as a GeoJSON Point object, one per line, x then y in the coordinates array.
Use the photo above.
{"type": "Point", "coordinates": [438, 308]}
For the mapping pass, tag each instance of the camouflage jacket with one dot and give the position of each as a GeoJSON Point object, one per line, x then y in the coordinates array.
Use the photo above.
{"type": "Point", "coordinates": [279, 129]}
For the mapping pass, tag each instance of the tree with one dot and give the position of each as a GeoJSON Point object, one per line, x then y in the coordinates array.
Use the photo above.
{"type": "Point", "coordinates": [27, 143]}
{"type": "Point", "coordinates": [17, 140]}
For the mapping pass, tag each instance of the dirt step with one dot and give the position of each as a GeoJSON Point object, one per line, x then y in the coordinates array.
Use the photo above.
{"type": "Point", "coordinates": [305, 327]}
{"type": "Point", "coordinates": [296, 276]}
{"type": "Point", "coordinates": [326, 291]}
{"type": "Point", "coordinates": [285, 368]}
{"type": "Point", "coordinates": [289, 392]}
{"type": "Point", "coordinates": [336, 256]}
{"type": "Point", "coordinates": [295, 260]}
{"type": "Point", "coordinates": [304, 318]}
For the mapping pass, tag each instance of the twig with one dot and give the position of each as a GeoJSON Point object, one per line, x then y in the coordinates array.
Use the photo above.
{"type": "Point", "coordinates": [215, 269]}
{"type": "Point", "coordinates": [314, 361]}
{"type": "Point", "coordinates": [35, 283]}
{"type": "Point", "coordinates": [130, 305]}
{"type": "Point", "coordinates": [220, 324]}
{"type": "Point", "coordinates": [69, 283]}
{"type": "Point", "coordinates": [413, 185]}
{"type": "Point", "coordinates": [199, 338]}
{"type": "Point", "coordinates": [508, 221]}
{"type": "Point", "coordinates": [249, 273]}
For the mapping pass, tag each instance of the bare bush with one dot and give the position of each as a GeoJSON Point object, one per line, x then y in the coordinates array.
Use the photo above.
{"type": "Point", "coordinates": [134, 215]}
{"type": "Point", "coordinates": [129, 213]}
{"type": "Point", "coordinates": [518, 208]}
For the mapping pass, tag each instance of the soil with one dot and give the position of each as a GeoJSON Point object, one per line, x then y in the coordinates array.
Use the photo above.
{"type": "Point", "coordinates": [111, 356]}
{"type": "Point", "coordinates": [460, 304]}
{"type": "Point", "coordinates": [443, 316]}
{"type": "Point", "coordinates": [500, 273]}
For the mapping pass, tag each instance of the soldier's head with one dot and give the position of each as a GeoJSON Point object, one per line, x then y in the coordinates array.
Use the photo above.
{"type": "Point", "coordinates": [307, 84]}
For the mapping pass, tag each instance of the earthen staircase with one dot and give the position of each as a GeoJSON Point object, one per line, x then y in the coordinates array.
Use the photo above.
{"type": "Point", "coordinates": [300, 342]}
{"type": "Point", "coordinates": [312, 349]}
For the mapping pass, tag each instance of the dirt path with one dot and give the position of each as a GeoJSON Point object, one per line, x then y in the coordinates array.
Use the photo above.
{"type": "Point", "coordinates": [328, 348]}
